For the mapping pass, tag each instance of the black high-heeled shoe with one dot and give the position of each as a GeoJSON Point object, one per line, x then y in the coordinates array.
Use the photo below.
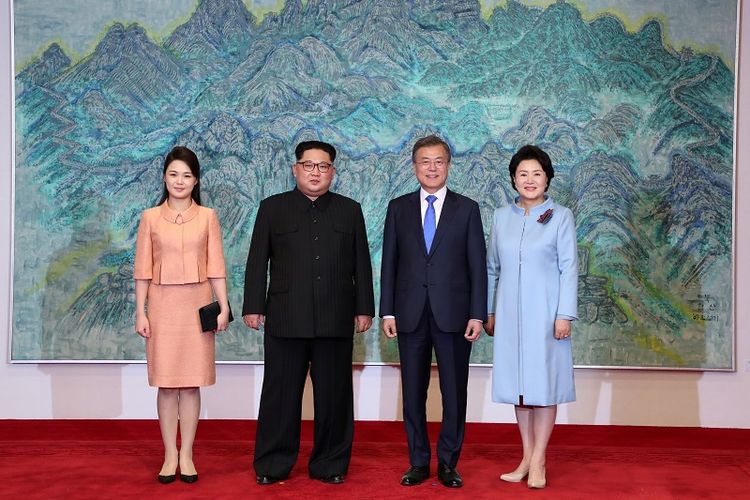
{"type": "Point", "coordinates": [185, 478]}
{"type": "Point", "coordinates": [166, 479]}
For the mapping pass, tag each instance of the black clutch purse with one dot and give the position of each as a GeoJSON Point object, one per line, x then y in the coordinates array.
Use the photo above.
{"type": "Point", "coordinates": [209, 314]}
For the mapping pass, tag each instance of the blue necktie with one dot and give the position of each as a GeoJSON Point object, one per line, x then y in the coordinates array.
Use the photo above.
{"type": "Point", "coordinates": [429, 222]}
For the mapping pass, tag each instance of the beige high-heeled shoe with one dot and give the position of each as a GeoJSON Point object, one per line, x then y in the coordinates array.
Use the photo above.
{"type": "Point", "coordinates": [538, 483]}
{"type": "Point", "coordinates": [515, 477]}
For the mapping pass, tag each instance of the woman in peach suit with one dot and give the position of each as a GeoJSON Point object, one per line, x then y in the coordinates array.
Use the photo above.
{"type": "Point", "coordinates": [179, 261]}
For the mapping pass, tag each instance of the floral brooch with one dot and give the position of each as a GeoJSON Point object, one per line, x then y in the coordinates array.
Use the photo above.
{"type": "Point", "coordinates": [545, 217]}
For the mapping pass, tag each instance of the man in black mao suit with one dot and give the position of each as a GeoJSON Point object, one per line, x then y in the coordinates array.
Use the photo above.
{"type": "Point", "coordinates": [320, 292]}
{"type": "Point", "coordinates": [433, 295]}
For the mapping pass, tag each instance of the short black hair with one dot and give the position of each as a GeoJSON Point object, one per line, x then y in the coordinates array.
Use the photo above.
{"type": "Point", "coordinates": [531, 152]}
{"type": "Point", "coordinates": [307, 145]}
{"type": "Point", "coordinates": [191, 159]}
{"type": "Point", "coordinates": [430, 140]}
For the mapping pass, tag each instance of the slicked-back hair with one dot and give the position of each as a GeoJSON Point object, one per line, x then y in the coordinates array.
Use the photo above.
{"type": "Point", "coordinates": [191, 159]}
{"type": "Point", "coordinates": [430, 140]}
{"type": "Point", "coordinates": [308, 145]}
{"type": "Point", "coordinates": [531, 152]}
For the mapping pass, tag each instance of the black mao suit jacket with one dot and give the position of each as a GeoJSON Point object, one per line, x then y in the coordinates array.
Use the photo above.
{"type": "Point", "coordinates": [453, 276]}
{"type": "Point", "coordinates": [320, 270]}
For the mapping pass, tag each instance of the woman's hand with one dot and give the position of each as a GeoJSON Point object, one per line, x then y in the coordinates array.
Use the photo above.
{"type": "Point", "coordinates": [222, 321]}
{"type": "Point", "coordinates": [489, 327]}
{"type": "Point", "coordinates": [562, 328]}
{"type": "Point", "coordinates": [142, 326]}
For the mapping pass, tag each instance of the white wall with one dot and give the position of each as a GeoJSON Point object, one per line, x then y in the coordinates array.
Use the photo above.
{"type": "Point", "coordinates": [604, 396]}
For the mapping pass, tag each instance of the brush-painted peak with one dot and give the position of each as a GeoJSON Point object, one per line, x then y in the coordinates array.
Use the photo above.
{"type": "Point", "coordinates": [513, 19]}
{"type": "Point", "coordinates": [131, 71]}
{"type": "Point", "coordinates": [120, 46]}
{"type": "Point", "coordinates": [289, 17]}
{"type": "Point", "coordinates": [560, 29]}
{"type": "Point", "coordinates": [50, 64]}
{"type": "Point", "coordinates": [651, 33]}
{"type": "Point", "coordinates": [130, 40]}
{"type": "Point", "coordinates": [217, 29]}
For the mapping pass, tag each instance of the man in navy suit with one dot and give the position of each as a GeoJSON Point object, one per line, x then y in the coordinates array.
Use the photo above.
{"type": "Point", "coordinates": [433, 295]}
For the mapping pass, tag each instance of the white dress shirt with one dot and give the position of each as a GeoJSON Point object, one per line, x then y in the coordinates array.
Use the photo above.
{"type": "Point", "coordinates": [437, 204]}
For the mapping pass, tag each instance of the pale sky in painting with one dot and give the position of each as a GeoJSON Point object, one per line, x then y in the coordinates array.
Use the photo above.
{"type": "Point", "coordinates": [78, 24]}
{"type": "Point", "coordinates": [703, 24]}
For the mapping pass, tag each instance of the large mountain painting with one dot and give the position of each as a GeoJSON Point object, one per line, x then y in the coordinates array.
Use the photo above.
{"type": "Point", "coordinates": [640, 132]}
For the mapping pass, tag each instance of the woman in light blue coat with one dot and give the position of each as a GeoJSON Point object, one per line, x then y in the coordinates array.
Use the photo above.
{"type": "Point", "coordinates": [532, 267]}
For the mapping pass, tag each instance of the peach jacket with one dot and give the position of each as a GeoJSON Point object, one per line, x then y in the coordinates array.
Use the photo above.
{"type": "Point", "coordinates": [178, 248]}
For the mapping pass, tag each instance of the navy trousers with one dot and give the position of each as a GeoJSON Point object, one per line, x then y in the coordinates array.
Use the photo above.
{"type": "Point", "coordinates": [452, 353]}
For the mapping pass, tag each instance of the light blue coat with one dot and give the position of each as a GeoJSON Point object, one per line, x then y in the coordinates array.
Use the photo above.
{"type": "Point", "coordinates": [533, 279]}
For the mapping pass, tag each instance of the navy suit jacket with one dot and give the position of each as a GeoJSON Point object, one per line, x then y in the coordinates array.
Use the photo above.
{"type": "Point", "coordinates": [453, 276]}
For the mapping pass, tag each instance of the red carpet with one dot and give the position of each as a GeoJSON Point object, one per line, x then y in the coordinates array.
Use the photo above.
{"type": "Point", "coordinates": [87, 459]}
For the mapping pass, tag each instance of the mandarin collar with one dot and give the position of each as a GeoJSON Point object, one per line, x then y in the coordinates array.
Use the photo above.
{"type": "Point", "coordinates": [537, 210]}
{"type": "Point", "coordinates": [179, 217]}
{"type": "Point", "coordinates": [303, 202]}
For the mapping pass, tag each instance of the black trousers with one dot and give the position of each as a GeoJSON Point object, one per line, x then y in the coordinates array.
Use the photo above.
{"type": "Point", "coordinates": [452, 352]}
{"type": "Point", "coordinates": [287, 361]}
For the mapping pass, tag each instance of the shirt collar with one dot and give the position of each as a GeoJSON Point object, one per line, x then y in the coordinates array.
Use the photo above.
{"type": "Point", "coordinates": [440, 194]}
{"type": "Point", "coordinates": [176, 217]}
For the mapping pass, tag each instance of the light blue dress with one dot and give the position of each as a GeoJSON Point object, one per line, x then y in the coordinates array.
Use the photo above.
{"type": "Point", "coordinates": [533, 279]}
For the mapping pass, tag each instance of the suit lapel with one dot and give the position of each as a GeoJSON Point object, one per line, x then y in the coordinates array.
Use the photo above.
{"type": "Point", "coordinates": [447, 213]}
{"type": "Point", "coordinates": [415, 219]}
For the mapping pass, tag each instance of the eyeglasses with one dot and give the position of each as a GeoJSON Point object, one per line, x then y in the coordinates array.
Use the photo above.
{"type": "Point", "coordinates": [426, 162]}
{"type": "Point", "coordinates": [309, 166]}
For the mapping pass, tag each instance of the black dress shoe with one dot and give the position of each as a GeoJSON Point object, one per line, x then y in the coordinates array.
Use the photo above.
{"type": "Point", "coordinates": [166, 479]}
{"type": "Point", "coordinates": [335, 479]}
{"type": "Point", "coordinates": [449, 476]}
{"type": "Point", "coordinates": [267, 479]}
{"type": "Point", "coordinates": [191, 478]}
{"type": "Point", "coordinates": [415, 475]}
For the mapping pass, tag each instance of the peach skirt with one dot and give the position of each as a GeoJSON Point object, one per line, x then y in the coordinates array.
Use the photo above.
{"type": "Point", "coordinates": [178, 353]}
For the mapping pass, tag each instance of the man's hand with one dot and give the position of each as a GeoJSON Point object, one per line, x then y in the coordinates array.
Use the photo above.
{"type": "Point", "coordinates": [254, 321]}
{"type": "Point", "coordinates": [389, 327]}
{"type": "Point", "coordinates": [362, 323]}
{"type": "Point", "coordinates": [473, 330]}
